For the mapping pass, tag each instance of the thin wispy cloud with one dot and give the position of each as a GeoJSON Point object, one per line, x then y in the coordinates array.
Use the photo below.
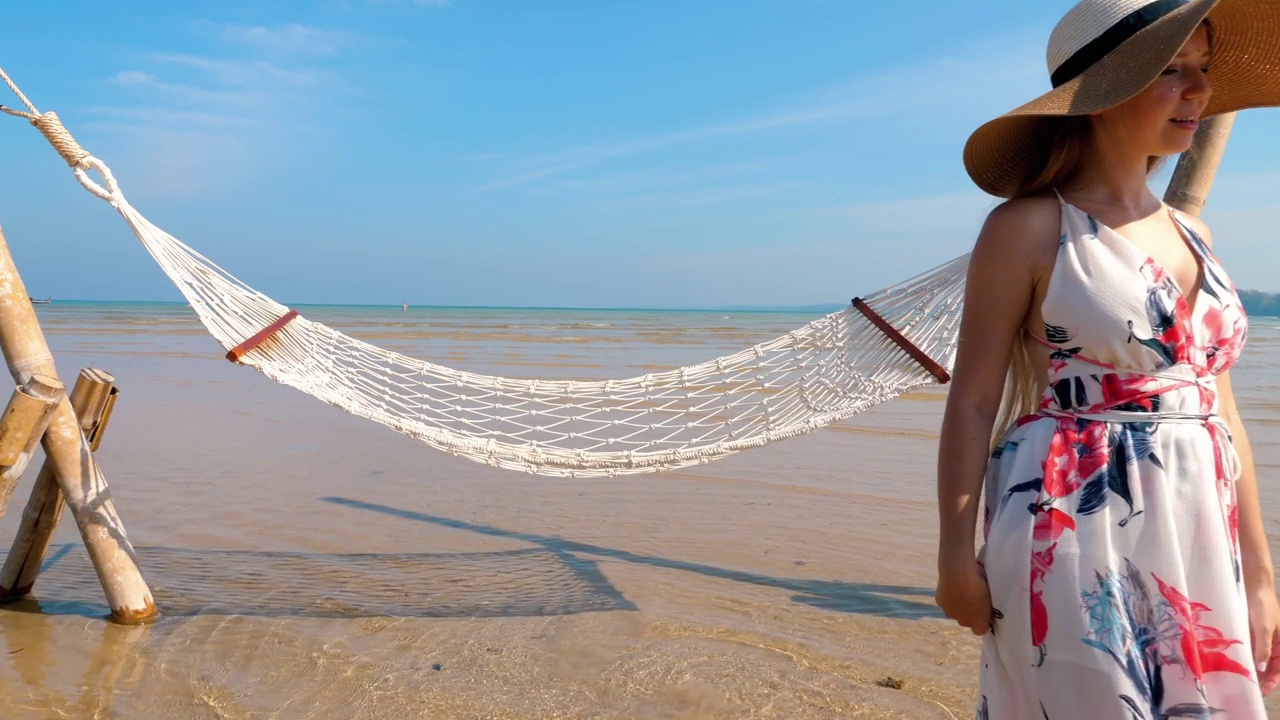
{"type": "Point", "coordinates": [170, 116]}
{"type": "Point", "coordinates": [614, 182]}
{"type": "Point", "coordinates": [289, 38]}
{"type": "Point", "coordinates": [942, 90]}
{"type": "Point", "coordinates": [190, 122]}
{"type": "Point", "coordinates": [586, 156]}
{"type": "Point", "coordinates": [216, 84]}
{"type": "Point", "coordinates": [243, 71]}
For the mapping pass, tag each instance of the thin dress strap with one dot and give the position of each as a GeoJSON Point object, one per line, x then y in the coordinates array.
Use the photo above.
{"type": "Point", "coordinates": [1183, 224]}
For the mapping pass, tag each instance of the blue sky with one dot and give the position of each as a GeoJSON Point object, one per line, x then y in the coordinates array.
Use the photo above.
{"type": "Point", "coordinates": [561, 153]}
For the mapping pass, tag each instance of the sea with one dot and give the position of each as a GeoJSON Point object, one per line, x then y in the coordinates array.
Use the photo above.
{"type": "Point", "coordinates": [311, 564]}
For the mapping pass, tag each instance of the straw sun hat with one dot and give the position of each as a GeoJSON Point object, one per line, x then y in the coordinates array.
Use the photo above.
{"type": "Point", "coordinates": [1104, 52]}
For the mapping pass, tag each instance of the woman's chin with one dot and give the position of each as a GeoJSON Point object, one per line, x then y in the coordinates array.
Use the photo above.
{"type": "Point", "coordinates": [1179, 141]}
{"type": "Point", "coordinates": [1174, 147]}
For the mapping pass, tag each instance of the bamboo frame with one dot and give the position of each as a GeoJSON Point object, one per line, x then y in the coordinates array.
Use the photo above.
{"type": "Point", "coordinates": [70, 456]}
{"type": "Point", "coordinates": [91, 398]}
{"type": "Point", "coordinates": [24, 422]}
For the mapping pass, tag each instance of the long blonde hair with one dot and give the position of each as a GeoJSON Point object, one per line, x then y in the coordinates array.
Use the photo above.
{"type": "Point", "coordinates": [1063, 142]}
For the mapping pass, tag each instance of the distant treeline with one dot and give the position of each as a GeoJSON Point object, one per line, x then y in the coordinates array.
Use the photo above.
{"type": "Point", "coordinates": [1260, 303]}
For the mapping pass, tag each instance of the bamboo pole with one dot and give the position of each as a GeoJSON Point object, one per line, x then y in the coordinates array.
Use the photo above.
{"type": "Point", "coordinates": [1197, 167]}
{"type": "Point", "coordinates": [76, 471]}
{"type": "Point", "coordinates": [21, 426]}
{"type": "Point", "coordinates": [92, 399]}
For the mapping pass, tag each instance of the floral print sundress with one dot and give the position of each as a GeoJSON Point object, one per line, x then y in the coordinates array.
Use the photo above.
{"type": "Point", "coordinates": [1110, 523]}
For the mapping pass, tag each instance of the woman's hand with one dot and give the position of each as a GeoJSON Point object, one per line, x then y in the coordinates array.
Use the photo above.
{"type": "Point", "coordinates": [1264, 631]}
{"type": "Point", "coordinates": [964, 596]}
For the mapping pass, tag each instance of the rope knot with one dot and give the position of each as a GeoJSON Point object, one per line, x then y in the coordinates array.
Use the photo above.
{"type": "Point", "coordinates": [77, 157]}
{"type": "Point", "coordinates": [51, 127]}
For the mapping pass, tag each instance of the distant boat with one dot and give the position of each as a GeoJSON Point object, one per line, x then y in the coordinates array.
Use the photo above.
{"type": "Point", "coordinates": [45, 301]}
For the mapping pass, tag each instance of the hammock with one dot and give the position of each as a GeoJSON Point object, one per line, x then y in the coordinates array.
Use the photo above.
{"type": "Point", "coordinates": [879, 347]}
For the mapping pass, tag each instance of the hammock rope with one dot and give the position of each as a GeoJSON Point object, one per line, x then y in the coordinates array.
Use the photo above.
{"type": "Point", "coordinates": [882, 345]}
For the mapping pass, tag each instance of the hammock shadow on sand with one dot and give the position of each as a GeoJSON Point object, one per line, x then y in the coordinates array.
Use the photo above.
{"type": "Point", "coordinates": [860, 598]}
{"type": "Point", "coordinates": [186, 582]}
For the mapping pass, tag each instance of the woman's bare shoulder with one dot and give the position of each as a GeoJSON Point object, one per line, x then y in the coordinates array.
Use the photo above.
{"type": "Point", "coordinates": [1021, 230]}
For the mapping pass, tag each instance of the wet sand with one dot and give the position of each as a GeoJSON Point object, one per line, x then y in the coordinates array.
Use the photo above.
{"type": "Point", "coordinates": [309, 564]}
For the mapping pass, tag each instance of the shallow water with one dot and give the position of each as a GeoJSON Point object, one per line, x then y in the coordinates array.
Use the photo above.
{"type": "Point", "coordinates": [309, 564]}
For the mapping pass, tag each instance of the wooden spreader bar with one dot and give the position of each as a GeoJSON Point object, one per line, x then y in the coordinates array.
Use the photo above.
{"type": "Point", "coordinates": [244, 348]}
{"type": "Point", "coordinates": [910, 348]}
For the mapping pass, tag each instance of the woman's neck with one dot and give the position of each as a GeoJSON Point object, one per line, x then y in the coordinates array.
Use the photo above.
{"type": "Point", "coordinates": [1113, 177]}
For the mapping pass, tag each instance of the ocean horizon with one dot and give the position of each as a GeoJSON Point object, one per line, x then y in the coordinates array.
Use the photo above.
{"type": "Point", "coordinates": [796, 309]}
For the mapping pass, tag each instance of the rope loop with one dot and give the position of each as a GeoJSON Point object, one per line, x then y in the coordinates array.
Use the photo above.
{"type": "Point", "coordinates": [80, 160]}
{"type": "Point", "coordinates": [16, 113]}
{"type": "Point", "coordinates": [111, 193]}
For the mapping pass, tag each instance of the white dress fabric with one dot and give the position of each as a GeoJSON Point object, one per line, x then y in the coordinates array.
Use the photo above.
{"type": "Point", "coordinates": [1110, 529]}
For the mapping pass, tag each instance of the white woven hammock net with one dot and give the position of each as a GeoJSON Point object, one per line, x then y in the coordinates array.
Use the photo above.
{"type": "Point", "coordinates": [825, 371]}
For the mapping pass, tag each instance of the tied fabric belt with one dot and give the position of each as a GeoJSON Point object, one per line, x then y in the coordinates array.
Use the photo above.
{"type": "Point", "coordinates": [1224, 450]}
{"type": "Point", "coordinates": [1143, 385]}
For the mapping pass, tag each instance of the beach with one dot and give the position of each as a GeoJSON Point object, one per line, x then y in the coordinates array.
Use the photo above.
{"type": "Point", "coordinates": [311, 564]}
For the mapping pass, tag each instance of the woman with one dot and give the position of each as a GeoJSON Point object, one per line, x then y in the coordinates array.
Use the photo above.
{"type": "Point", "coordinates": [1125, 571]}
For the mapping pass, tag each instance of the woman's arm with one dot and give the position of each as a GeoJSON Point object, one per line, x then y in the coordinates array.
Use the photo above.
{"type": "Point", "coordinates": [1255, 552]}
{"type": "Point", "coordinates": [1003, 272]}
{"type": "Point", "coordinates": [1007, 261]}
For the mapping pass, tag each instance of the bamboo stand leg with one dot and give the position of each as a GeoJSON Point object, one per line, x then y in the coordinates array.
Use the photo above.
{"type": "Point", "coordinates": [1193, 177]}
{"type": "Point", "coordinates": [92, 399]}
{"type": "Point", "coordinates": [70, 454]}
{"type": "Point", "coordinates": [21, 427]}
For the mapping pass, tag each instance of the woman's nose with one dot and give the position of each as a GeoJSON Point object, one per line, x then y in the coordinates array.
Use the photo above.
{"type": "Point", "coordinates": [1199, 86]}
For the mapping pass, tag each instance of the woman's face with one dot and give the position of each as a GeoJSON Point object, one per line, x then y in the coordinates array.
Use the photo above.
{"type": "Point", "coordinates": [1162, 119]}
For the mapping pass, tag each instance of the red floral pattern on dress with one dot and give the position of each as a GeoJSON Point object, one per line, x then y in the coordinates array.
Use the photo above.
{"type": "Point", "coordinates": [1041, 564]}
{"type": "Point", "coordinates": [1077, 453]}
{"type": "Point", "coordinates": [1136, 393]}
{"type": "Point", "coordinates": [1051, 523]}
{"type": "Point", "coordinates": [1202, 647]}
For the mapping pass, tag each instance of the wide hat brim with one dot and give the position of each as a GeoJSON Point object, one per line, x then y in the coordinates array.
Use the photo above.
{"type": "Point", "coordinates": [1244, 72]}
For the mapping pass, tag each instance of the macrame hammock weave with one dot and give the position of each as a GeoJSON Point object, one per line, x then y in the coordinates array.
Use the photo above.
{"type": "Point", "coordinates": [881, 346]}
